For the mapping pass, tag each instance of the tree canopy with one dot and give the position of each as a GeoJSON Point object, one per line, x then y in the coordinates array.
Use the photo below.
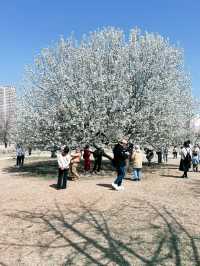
{"type": "Point", "coordinates": [104, 87]}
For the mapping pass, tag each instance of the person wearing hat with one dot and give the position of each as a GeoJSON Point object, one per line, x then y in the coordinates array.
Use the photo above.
{"type": "Point", "coordinates": [137, 163]}
{"type": "Point", "coordinates": [63, 167]}
{"type": "Point", "coordinates": [120, 155]}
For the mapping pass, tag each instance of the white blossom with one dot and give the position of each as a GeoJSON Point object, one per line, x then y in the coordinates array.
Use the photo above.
{"type": "Point", "coordinates": [105, 87]}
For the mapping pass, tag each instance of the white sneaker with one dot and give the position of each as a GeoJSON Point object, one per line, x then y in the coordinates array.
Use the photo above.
{"type": "Point", "coordinates": [121, 188]}
{"type": "Point", "coordinates": [115, 186]}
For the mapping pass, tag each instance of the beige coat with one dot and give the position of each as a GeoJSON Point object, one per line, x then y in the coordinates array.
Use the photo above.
{"type": "Point", "coordinates": [137, 159]}
{"type": "Point", "coordinates": [76, 157]}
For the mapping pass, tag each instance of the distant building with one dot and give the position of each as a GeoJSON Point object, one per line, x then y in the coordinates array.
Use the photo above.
{"type": "Point", "coordinates": [7, 110]}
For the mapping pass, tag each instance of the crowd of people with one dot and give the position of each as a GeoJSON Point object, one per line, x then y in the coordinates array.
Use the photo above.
{"type": "Point", "coordinates": [123, 154]}
{"type": "Point", "coordinates": [68, 163]}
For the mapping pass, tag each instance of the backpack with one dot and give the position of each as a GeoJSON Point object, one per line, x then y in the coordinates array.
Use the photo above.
{"type": "Point", "coordinates": [188, 158]}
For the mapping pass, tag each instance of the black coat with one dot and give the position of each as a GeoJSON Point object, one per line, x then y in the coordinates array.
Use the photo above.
{"type": "Point", "coordinates": [98, 153]}
{"type": "Point", "coordinates": [184, 165]}
{"type": "Point", "coordinates": [120, 156]}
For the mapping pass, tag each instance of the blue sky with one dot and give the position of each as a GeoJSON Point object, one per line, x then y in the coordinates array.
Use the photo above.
{"type": "Point", "coordinates": [27, 26]}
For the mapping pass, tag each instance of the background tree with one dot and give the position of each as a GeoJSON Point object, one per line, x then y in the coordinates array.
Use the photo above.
{"type": "Point", "coordinates": [105, 87]}
{"type": "Point", "coordinates": [7, 126]}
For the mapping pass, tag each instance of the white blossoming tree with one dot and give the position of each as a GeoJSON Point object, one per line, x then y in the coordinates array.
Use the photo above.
{"type": "Point", "coordinates": [105, 87]}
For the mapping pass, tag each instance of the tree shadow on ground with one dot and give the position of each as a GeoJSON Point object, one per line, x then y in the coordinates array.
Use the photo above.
{"type": "Point", "coordinates": [173, 176]}
{"type": "Point", "coordinates": [48, 169]}
{"type": "Point", "coordinates": [35, 169]}
{"type": "Point", "coordinates": [194, 186]}
{"type": "Point", "coordinates": [2, 263]}
{"type": "Point", "coordinates": [87, 236]}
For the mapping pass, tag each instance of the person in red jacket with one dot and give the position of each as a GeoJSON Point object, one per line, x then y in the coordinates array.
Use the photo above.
{"type": "Point", "coordinates": [86, 157]}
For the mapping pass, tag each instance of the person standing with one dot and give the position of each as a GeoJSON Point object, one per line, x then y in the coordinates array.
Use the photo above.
{"type": "Point", "coordinates": [199, 151]}
{"type": "Point", "coordinates": [29, 150]}
{"type": "Point", "coordinates": [120, 155]}
{"type": "Point", "coordinates": [22, 156]}
{"type": "Point", "coordinates": [137, 163]}
{"type": "Point", "coordinates": [86, 157]}
{"type": "Point", "coordinates": [76, 158]}
{"type": "Point", "coordinates": [186, 158]}
{"type": "Point", "coordinates": [18, 155]}
{"type": "Point", "coordinates": [63, 168]}
{"type": "Point", "coordinates": [196, 150]}
{"type": "Point", "coordinates": [175, 152]}
{"type": "Point", "coordinates": [189, 143]}
{"type": "Point", "coordinates": [149, 155]}
{"type": "Point", "coordinates": [195, 161]}
{"type": "Point", "coordinates": [159, 154]}
{"type": "Point", "coordinates": [97, 154]}
{"type": "Point", "coordinates": [130, 149]}
{"type": "Point", "coordinates": [165, 154]}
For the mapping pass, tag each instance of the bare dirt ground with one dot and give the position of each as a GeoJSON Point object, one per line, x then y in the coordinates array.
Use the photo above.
{"type": "Point", "coordinates": [152, 222]}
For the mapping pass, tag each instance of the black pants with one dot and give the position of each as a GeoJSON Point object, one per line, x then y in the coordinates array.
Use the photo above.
{"type": "Point", "coordinates": [97, 164]}
{"type": "Point", "coordinates": [19, 159]}
{"type": "Point", "coordinates": [185, 174]}
{"type": "Point", "coordinates": [62, 178]}
{"type": "Point", "coordinates": [159, 154]}
{"type": "Point", "coordinates": [22, 160]}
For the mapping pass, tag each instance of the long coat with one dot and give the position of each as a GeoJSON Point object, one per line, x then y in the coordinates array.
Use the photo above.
{"type": "Point", "coordinates": [184, 164]}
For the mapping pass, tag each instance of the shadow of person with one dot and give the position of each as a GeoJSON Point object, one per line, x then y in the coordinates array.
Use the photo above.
{"type": "Point", "coordinates": [173, 176]}
{"type": "Point", "coordinates": [106, 186]}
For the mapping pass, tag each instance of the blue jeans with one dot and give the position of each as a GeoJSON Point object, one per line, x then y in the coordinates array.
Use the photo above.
{"type": "Point", "coordinates": [121, 171]}
{"type": "Point", "coordinates": [137, 173]}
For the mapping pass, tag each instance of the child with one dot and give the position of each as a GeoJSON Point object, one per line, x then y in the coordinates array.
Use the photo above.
{"type": "Point", "coordinates": [86, 157]}
{"type": "Point", "coordinates": [195, 161]}
{"type": "Point", "coordinates": [175, 152]}
{"type": "Point", "coordinates": [63, 168]}
{"type": "Point", "coordinates": [137, 163]}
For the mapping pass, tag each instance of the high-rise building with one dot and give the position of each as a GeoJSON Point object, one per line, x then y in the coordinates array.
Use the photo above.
{"type": "Point", "coordinates": [7, 107]}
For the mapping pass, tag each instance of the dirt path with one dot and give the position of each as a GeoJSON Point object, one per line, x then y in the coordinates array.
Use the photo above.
{"type": "Point", "coordinates": [153, 222]}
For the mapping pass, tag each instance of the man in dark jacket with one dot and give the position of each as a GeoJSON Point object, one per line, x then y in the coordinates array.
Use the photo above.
{"type": "Point", "coordinates": [120, 155]}
{"type": "Point", "coordinates": [149, 155]}
{"type": "Point", "coordinates": [97, 154]}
